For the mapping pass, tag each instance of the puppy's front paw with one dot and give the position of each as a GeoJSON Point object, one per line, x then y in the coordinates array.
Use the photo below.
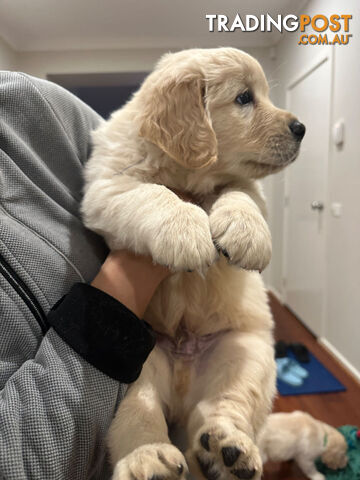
{"type": "Point", "coordinates": [152, 462]}
{"type": "Point", "coordinates": [244, 237]}
{"type": "Point", "coordinates": [182, 240]}
{"type": "Point", "coordinates": [222, 453]}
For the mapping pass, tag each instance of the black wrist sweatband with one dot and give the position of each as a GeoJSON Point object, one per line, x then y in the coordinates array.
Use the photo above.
{"type": "Point", "coordinates": [103, 331]}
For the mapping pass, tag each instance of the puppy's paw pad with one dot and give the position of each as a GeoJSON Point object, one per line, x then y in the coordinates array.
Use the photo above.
{"type": "Point", "coordinates": [158, 461]}
{"type": "Point", "coordinates": [204, 440]}
{"type": "Point", "coordinates": [208, 469]}
{"type": "Point", "coordinates": [243, 473]}
{"type": "Point", "coordinates": [226, 453]}
{"type": "Point", "coordinates": [230, 455]}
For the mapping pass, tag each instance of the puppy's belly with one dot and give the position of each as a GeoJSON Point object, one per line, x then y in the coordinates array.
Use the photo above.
{"type": "Point", "coordinates": [188, 355]}
{"type": "Point", "coordinates": [188, 346]}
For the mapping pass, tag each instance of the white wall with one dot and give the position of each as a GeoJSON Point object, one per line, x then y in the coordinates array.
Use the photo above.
{"type": "Point", "coordinates": [8, 59]}
{"type": "Point", "coordinates": [342, 328]}
{"type": "Point", "coordinates": [41, 64]}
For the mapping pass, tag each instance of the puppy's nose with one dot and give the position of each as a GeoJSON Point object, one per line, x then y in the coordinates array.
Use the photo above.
{"type": "Point", "coordinates": [297, 129]}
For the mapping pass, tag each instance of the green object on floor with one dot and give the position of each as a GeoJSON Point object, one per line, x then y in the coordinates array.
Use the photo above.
{"type": "Point", "coordinates": [352, 470]}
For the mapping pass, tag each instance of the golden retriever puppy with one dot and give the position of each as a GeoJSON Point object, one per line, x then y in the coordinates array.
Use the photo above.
{"type": "Point", "coordinates": [201, 123]}
{"type": "Point", "coordinates": [298, 436]}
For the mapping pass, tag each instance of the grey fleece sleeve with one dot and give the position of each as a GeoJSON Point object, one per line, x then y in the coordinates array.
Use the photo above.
{"type": "Point", "coordinates": [55, 407]}
{"type": "Point", "coordinates": [55, 410]}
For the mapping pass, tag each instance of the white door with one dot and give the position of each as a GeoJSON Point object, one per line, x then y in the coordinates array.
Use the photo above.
{"type": "Point", "coordinates": [305, 187]}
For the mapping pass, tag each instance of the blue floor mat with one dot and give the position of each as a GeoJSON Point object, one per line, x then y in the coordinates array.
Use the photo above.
{"type": "Point", "coordinates": [320, 380]}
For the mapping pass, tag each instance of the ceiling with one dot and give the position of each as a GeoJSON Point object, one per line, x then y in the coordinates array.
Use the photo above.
{"type": "Point", "coordinates": [43, 25]}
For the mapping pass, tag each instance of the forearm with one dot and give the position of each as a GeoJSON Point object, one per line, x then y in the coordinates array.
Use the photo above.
{"type": "Point", "coordinates": [56, 408]}
{"type": "Point", "coordinates": [130, 279]}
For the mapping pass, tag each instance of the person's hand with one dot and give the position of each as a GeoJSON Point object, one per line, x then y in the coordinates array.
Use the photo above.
{"type": "Point", "coordinates": [131, 279]}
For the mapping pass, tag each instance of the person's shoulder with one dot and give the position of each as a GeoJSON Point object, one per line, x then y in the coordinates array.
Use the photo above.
{"type": "Point", "coordinates": [20, 86]}
{"type": "Point", "coordinates": [38, 99]}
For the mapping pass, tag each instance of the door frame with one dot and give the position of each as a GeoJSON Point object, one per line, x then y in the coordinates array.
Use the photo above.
{"type": "Point", "coordinates": [327, 56]}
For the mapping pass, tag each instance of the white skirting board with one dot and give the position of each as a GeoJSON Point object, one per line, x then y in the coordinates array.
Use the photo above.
{"type": "Point", "coordinates": [340, 357]}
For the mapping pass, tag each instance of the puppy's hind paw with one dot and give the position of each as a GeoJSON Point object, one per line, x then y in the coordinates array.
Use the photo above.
{"type": "Point", "coordinates": [222, 455]}
{"type": "Point", "coordinates": [157, 461]}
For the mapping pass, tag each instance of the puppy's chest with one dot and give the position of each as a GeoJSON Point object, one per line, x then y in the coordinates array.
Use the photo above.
{"type": "Point", "coordinates": [188, 306]}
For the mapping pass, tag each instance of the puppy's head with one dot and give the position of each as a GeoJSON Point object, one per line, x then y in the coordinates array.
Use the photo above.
{"type": "Point", "coordinates": [212, 105]}
{"type": "Point", "coordinates": [335, 454]}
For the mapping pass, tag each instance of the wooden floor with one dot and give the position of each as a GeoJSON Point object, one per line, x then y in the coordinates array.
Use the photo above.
{"type": "Point", "coordinates": [334, 408]}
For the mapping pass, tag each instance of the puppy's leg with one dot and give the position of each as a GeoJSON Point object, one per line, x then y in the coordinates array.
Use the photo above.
{"type": "Point", "coordinates": [237, 392]}
{"type": "Point", "coordinates": [138, 437]}
{"type": "Point", "coordinates": [149, 219]}
{"type": "Point", "coordinates": [307, 466]}
{"type": "Point", "coordinates": [240, 231]}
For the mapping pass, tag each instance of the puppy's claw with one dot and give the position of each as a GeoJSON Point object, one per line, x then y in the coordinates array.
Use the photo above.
{"type": "Point", "coordinates": [243, 473]}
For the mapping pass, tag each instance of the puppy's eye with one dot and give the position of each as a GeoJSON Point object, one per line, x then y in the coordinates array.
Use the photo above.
{"type": "Point", "coordinates": [244, 98]}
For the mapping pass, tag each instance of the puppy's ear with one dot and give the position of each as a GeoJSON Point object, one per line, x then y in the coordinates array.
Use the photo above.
{"type": "Point", "coordinates": [176, 120]}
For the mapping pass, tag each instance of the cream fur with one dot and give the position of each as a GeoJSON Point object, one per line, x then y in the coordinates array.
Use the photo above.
{"type": "Point", "coordinates": [183, 130]}
{"type": "Point", "coordinates": [298, 436]}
